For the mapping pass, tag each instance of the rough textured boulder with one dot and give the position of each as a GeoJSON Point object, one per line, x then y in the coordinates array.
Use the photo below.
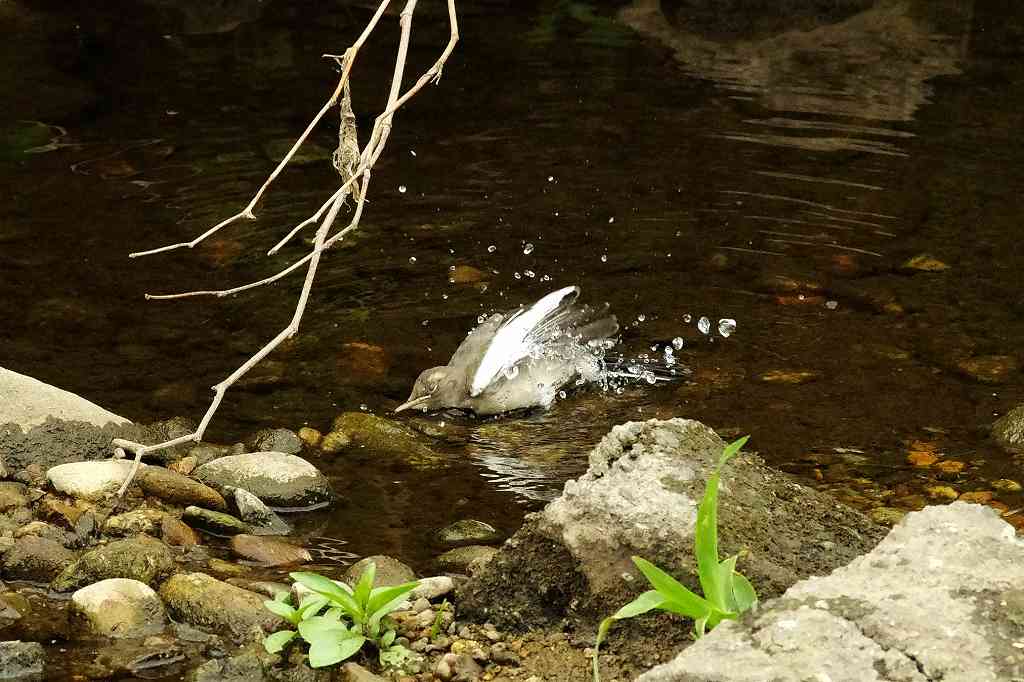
{"type": "Point", "coordinates": [204, 601]}
{"type": "Point", "coordinates": [140, 558]}
{"type": "Point", "coordinates": [1008, 431]}
{"type": "Point", "coordinates": [29, 402]}
{"type": "Point", "coordinates": [640, 496]}
{"type": "Point", "coordinates": [941, 598]}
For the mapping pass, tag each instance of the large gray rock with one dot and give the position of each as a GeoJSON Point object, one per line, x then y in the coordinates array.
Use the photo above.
{"type": "Point", "coordinates": [21, 661]}
{"type": "Point", "coordinates": [204, 601]}
{"type": "Point", "coordinates": [639, 497]}
{"type": "Point", "coordinates": [29, 402]}
{"type": "Point", "coordinates": [120, 607]}
{"type": "Point", "coordinates": [941, 598]}
{"type": "Point", "coordinates": [1008, 431]}
{"type": "Point", "coordinates": [280, 480]}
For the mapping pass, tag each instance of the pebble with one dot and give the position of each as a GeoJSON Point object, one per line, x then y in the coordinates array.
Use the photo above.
{"type": "Point", "coordinates": [1006, 485]}
{"type": "Point", "coordinates": [389, 571]}
{"type": "Point", "coordinates": [941, 492]}
{"type": "Point", "coordinates": [920, 458]}
{"type": "Point", "coordinates": [278, 479]}
{"type": "Point", "coordinates": [311, 437]}
{"type": "Point", "coordinates": [141, 558]}
{"type": "Point", "coordinates": [269, 551]}
{"type": "Point", "coordinates": [950, 466]}
{"type": "Point", "coordinates": [215, 523]}
{"type": "Point", "coordinates": [170, 486]}
{"type": "Point", "coordinates": [791, 377]}
{"type": "Point", "coordinates": [465, 274]}
{"type": "Point", "coordinates": [887, 516]}
{"type": "Point", "coordinates": [135, 522]}
{"type": "Point", "coordinates": [185, 465]}
{"type": "Point", "coordinates": [460, 559]}
{"type": "Point", "coordinates": [1008, 431]}
{"type": "Point", "coordinates": [12, 495]}
{"type": "Point", "coordinates": [203, 601]}
{"type": "Point", "coordinates": [925, 263]}
{"type": "Point", "coordinates": [335, 442]}
{"type": "Point", "coordinates": [120, 607]}
{"type": "Point", "coordinates": [35, 558]}
{"type": "Point", "coordinates": [275, 440]}
{"type": "Point", "coordinates": [977, 497]}
{"type": "Point", "coordinates": [468, 532]}
{"type": "Point", "coordinates": [263, 519]}
{"type": "Point", "coordinates": [433, 587]}
{"type": "Point", "coordinates": [176, 533]}
{"type": "Point", "coordinates": [989, 369]}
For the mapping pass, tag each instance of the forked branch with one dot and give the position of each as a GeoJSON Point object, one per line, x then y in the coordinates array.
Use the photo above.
{"type": "Point", "coordinates": [357, 178]}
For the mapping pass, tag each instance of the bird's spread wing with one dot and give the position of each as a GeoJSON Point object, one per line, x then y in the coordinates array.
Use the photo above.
{"type": "Point", "coordinates": [514, 339]}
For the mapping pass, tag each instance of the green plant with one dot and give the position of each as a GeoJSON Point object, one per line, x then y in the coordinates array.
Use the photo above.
{"type": "Point", "coordinates": [727, 593]}
{"type": "Point", "coordinates": [353, 616]}
{"type": "Point", "coordinates": [437, 619]}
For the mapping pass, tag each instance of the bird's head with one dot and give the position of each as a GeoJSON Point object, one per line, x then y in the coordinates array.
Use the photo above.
{"type": "Point", "coordinates": [435, 388]}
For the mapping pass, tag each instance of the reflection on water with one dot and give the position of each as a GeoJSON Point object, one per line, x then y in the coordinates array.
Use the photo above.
{"type": "Point", "coordinates": [775, 170]}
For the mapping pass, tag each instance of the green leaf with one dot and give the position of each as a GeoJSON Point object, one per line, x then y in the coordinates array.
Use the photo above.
{"type": "Point", "coordinates": [743, 593]}
{"type": "Point", "coordinates": [699, 627]}
{"type": "Point", "coordinates": [717, 589]}
{"type": "Point", "coordinates": [726, 570]}
{"type": "Point", "coordinates": [361, 591]}
{"type": "Point", "coordinates": [278, 640]}
{"type": "Point", "coordinates": [332, 590]}
{"type": "Point", "coordinates": [652, 599]}
{"type": "Point", "coordinates": [311, 606]}
{"type": "Point", "coordinates": [731, 449]}
{"type": "Point", "coordinates": [279, 608]}
{"type": "Point", "coordinates": [283, 596]}
{"type": "Point", "coordinates": [330, 650]}
{"type": "Point", "coordinates": [320, 627]}
{"type": "Point", "coordinates": [678, 598]}
{"type": "Point", "coordinates": [384, 600]}
{"type": "Point", "coordinates": [387, 639]}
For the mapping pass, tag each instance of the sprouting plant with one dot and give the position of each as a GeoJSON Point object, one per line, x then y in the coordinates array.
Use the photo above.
{"type": "Point", "coordinates": [437, 619]}
{"type": "Point", "coordinates": [727, 593]}
{"type": "Point", "coordinates": [353, 616]}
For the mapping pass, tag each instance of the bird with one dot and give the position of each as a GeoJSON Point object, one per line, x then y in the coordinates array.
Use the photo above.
{"type": "Point", "coordinates": [520, 359]}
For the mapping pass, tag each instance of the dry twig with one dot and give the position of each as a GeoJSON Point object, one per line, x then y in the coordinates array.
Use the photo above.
{"type": "Point", "coordinates": [355, 167]}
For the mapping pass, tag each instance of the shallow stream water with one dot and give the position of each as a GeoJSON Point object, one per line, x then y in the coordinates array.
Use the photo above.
{"type": "Point", "coordinates": [674, 160]}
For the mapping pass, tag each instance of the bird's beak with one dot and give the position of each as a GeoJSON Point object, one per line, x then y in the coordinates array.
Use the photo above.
{"type": "Point", "coordinates": [415, 402]}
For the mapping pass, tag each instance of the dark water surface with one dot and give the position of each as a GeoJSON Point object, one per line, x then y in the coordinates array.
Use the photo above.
{"type": "Point", "coordinates": [674, 160]}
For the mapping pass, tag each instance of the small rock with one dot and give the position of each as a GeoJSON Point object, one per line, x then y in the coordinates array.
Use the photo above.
{"type": "Point", "coordinates": [269, 551]}
{"type": "Point", "coordinates": [353, 672]}
{"type": "Point", "coordinates": [140, 558]}
{"type": "Point", "coordinates": [925, 263]}
{"type": "Point", "coordinates": [458, 668]}
{"type": "Point", "coordinates": [1006, 485]}
{"type": "Point", "coordinates": [989, 369]}
{"type": "Point", "coordinates": [503, 655]}
{"type": "Point", "coordinates": [58, 513]}
{"type": "Point", "coordinates": [792, 377]}
{"type": "Point", "coordinates": [941, 492]}
{"type": "Point", "coordinates": [215, 523]}
{"type": "Point", "coordinates": [277, 478]}
{"type": "Point", "coordinates": [12, 495]}
{"type": "Point", "coordinates": [950, 467]}
{"type": "Point", "coordinates": [920, 458]}
{"type": "Point", "coordinates": [335, 442]}
{"type": "Point", "coordinates": [977, 497]}
{"type": "Point", "coordinates": [227, 569]}
{"type": "Point", "coordinates": [135, 522]}
{"type": "Point", "coordinates": [887, 516]}
{"type": "Point", "coordinates": [275, 440]}
{"type": "Point", "coordinates": [21, 660]}
{"type": "Point", "coordinates": [389, 571]}
{"type": "Point", "coordinates": [378, 434]}
{"type": "Point", "coordinates": [1008, 431]}
{"type": "Point", "coordinates": [311, 437]}
{"type": "Point", "coordinates": [176, 533]}
{"type": "Point", "coordinates": [120, 607]}
{"type": "Point", "coordinates": [41, 529]}
{"type": "Point", "coordinates": [361, 362]}
{"type": "Point", "coordinates": [433, 587]}
{"type": "Point", "coordinates": [37, 559]}
{"type": "Point", "coordinates": [468, 532]}
{"type": "Point", "coordinates": [459, 560]}
{"type": "Point", "coordinates": [33, 475]}
{"type": "Point", "coordinates": [207, 452]}
{"type": "Point", "coordinates": [176, 488]}
{"type": "Point", "coordinates": [263, 519]}
{"type": "Point", "coordinates": [184, 466]}
{"type": "Point", "coordinates": [92, 480]}
{"type": "Point", "coordinates": [202, 600]}
{"type": "Point", "coordinates": [420, 604]}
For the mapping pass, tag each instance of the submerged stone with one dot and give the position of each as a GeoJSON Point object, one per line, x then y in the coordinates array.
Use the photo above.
{"type": "Point", "coordinates": [989, 369]}
{"type": "Point", "coordinates": [269, 551]}
{"type": "Point", "coordinates": [468, 532]}
{"type": "Point", "coordinates": [263, 519]}
{"type": "Point", "coordinates": [215, 523]}
{"type": "Point", "coordinates": [389, 571]}
{"type": "Point", "coordinates": [460, 559]}
{"type": "Point", "coordinates": [1008, 431]}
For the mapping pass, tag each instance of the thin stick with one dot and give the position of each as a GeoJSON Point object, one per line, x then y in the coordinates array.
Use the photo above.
{"type": "Point", "coordinates": [247, 211]}
{"type": "Point", "coordinates": [368, 157]}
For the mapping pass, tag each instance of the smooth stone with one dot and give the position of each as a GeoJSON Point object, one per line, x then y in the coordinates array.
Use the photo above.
{"type": "Point", "coordinates": [42, 529]}
{"type": "Point", "coordinates": [465, 274]}
{"type": "Point", "coordinates": [135, 522]}
{"type": "Point", "coordinates": [433, 587]}
{"type": "Point", "coordinates": [120, 607]}
{"type": "Point", "coordinates": [203, 601]}
{"type": "Point", "coordinates": [12, 495]}
{"type": "Point", "coordinates": [93, 480]}
{"type": "Point", "coordinates": [177, 533]}
{"type": "Point", "coordinates": [1006, 485]}
{"type": "Point", "coordinates": [215, 523]}
{"type": "Point", "coordinates": [280, 480]}
{"type": "Point", "coordinates": [140, 558]}
{"type": "Point", "coordinates": [275, 440]}
{"type": "Point", "coordinates": [925, 263]}
{"type": "Point", "coordinates": [389, 571]}
{"type": "Point", "coordinates": [29, 402]}
{"type": "Point", "coordinates": [269, 551]}
{"type": "Point", "coordinates": [458, 668]}
{"type": "Point", "coordinates": [179, 489]}
{"type": "Point", "coordinates": [887, 516]}
{"type": "Point", "coordinates": [310, 437]}
{"type": "Point", "coordinates": [37, 559]}
{"type": "Point", "coordinates": [468, 532]}
{"type": "Point", "coordinates": [353, 672]}
{"type": "Point", "coordinates": [383, 435]}
{"type": "Point", "coordinates": [227, 569]}
{"type": "Point", "coordinates": [335, 442]}
{"type": "Point", "coordinates": [267, 588]}
{"type": "Point", "coordinates": [59, 512]}
{"type": "Point", "coordinates": [22, 660]}
{"type": "Point", "coordinates": [263, 519]}
{"type": "Point", "coordinates": [941, 492]}
{"type": "Point", "coordinates": [989, 369]}
{"type": "Point", "coordinates": [1008, 431]}
{"type": "Point", "coordinates": [459, 560]}
{"type": "Point", "coordinates": [207, 452]}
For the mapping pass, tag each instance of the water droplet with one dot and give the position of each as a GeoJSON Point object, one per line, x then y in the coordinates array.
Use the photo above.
{"type": "Point", "coordinates": [619, 390]}
{"type": "Point", "coordinates": [412, 259]}
{"type": "Point", "coordinates": [401, 188]}
{"type": "Point", "coordinates": [655, 348]}
{"type": "Point", "coordinates": [551, 178]}
{"type": "Point", "coordinates": [704, 325]}
{"type": "Point", "coordinates": [545, 278]}
{"type": "Point", "coordinates": [831, 305]}
{"type": "Point", "coordinates": [562, 394]}
{"type": "Point", "coordinates": [641, 317]}
{"type": "Point", "coordinates": [649, 377]}
{"type": "Point", "coordinates": [530, 273]}
{"type": "Point", "coordinates": [492, 248]}
{"type": "Point", "coordinates": [678, 343]}
{"type": "Point", "coordinates": [687, 318]}
{"type": "Point", "coordinates": [451, 268]}
{"type": "Point", "coordinates": [604, 257]}
{"type": "Point", "coordinates": [611, 220]}
{"type": "Point", "coordinates": [726, 327]}
{"type": "Point", "coordinates": [517, 275]}
{"type": "Point", "coordinates": [480, 319]}
{"type": "Point", "coordinates": [444, 296]}
{"type": "Point", "coordinates": [512, 372]}
{"type": "Point", "coordinates": [413, 152]}
{"type": "Point", "coordinates": [425, 322]}
{"type": "Point", "coordinates": [364, 407]}
{"type": "Point", "coordinates": [633, 369]}
{"type": "Point", "coordinates": [528, 249]}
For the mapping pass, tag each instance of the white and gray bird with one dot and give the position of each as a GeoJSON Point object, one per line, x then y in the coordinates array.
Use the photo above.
{"type": "Point", "coordinates": [520, 359]}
